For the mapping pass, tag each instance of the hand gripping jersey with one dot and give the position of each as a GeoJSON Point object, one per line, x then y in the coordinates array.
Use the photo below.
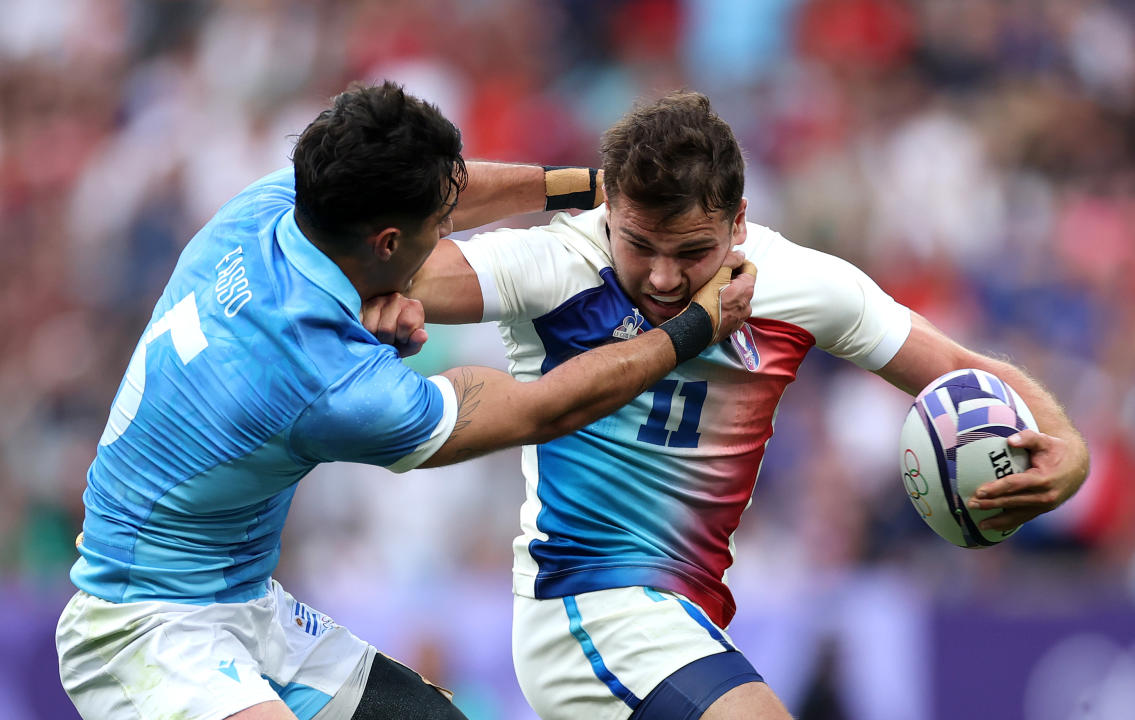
{"type": "Point", "coordinates": [652, 494]}
{"type": "Point", "coordinates": [253, 369]}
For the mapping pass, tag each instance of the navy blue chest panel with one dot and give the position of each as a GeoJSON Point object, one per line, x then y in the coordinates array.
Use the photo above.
{"type": "Point", "coordinates": [587, 320]}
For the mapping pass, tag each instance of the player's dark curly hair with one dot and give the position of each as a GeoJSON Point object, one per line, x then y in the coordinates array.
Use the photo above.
{"type": "Point", "coordinates": [673, 154]}
{"type": "Point", "coordinates": [377, 157]}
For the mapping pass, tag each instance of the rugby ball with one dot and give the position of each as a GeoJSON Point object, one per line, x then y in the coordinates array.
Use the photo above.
{"type": "Point", "coordinates": [953, 441]}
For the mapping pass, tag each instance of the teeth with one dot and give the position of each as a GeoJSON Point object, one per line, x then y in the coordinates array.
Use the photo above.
{"type": "Point", "coordinates": [666, 298]}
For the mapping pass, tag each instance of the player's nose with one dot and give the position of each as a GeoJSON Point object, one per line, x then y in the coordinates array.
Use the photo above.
{"type": "Point", "coordinates": [665, 275]}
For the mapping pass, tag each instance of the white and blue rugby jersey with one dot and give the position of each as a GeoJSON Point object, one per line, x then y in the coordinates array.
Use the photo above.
{"type": "Point", "coordinates": [652, 494]}
{"type": "Point", "coordinates": [253, 369]}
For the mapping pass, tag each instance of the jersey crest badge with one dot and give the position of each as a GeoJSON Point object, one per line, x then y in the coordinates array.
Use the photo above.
{"type": "Point", "coordinates": [746, 347]}
{"type": "Point", "coordinates": [631, 326]}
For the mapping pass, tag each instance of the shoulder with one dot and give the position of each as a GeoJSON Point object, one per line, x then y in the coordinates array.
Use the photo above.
{"type": "Point", "coordinates": [527, 272]}
{"type": "Point", "coordinates": [377, 412]}
{"type": "Point", "coordinates": [835, 301]}
{"type": "Point", "coordinates": [266, 195]}
{"type": "Point", "coordinates": [793, 277]}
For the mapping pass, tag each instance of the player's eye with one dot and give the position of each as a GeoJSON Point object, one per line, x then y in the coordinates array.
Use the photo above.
{"type": "Point", "coordinates": [694, 254]}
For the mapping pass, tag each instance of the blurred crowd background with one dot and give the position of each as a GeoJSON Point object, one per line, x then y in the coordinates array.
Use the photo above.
{"type": "Point", "coordinates": [976, 157]}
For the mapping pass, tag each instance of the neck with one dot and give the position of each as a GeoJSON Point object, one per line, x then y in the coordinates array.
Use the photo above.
{"type": "Point", "coordinates": [350, 263]}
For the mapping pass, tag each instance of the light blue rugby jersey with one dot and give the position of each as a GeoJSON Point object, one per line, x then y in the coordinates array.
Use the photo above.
{"type": "Point", "coordinates": [253, 370]}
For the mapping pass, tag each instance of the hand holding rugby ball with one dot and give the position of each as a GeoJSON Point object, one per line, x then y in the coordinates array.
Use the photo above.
{"type": "Point", "coordinates": [954, 440]}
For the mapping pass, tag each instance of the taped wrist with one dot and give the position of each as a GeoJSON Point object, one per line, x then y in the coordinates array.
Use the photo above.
{"type": "Point", "coordinates": [568, 187]}
{"type": "Point", "coordinates": [691, 331]}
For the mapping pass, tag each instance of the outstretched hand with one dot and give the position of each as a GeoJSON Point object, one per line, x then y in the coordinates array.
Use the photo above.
{"type": "Point", "coordinates": [1057, 469]}
{"type": "Point", "coordinates": [398, 321]}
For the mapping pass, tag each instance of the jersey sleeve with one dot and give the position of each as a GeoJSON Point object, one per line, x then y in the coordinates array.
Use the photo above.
{"type": "Point", "coordinates": [527, 273]}
{"type": "Point", "coordinates": [869, 326]}
{"type": "Point", "coordinates": [846, 312]}
{"type": "Point", "coordinates": [380, 412]}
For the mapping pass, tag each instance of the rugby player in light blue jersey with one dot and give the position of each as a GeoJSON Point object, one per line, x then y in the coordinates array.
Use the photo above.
{"type": "Point", "coordinates": [255, 368]}
{"type": "Point", "coordinates": [627, 529]}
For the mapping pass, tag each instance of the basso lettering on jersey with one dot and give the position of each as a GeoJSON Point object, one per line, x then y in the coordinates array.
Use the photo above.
{"type": "Point", "coordinates": [232, 290]}
{"type": "Point", "coordinates": [652, 494]}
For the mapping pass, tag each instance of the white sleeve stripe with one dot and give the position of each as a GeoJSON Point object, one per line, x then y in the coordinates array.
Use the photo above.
{"type": "Point", "coordinates": [887, 348]}
{"type": "Point", "coordinates": [478, 259]}
{"type": "Point", "coordinates": [441, 431]}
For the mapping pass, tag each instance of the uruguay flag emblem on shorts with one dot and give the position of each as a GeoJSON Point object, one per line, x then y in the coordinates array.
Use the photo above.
{"type": "Point", "coordinates": [309, 620]}
{"type": "Point", "coordinates": [746, 347]}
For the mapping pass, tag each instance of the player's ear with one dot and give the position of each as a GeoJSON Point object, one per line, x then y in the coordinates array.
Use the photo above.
{"type": "Point", "coordinates": [385, 243]}
{"type": "Point", "coordinates": [740, 229]}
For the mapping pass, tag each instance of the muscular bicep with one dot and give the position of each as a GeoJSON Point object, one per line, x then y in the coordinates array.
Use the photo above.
{"type": "Point", "coordinates": [448, 288]}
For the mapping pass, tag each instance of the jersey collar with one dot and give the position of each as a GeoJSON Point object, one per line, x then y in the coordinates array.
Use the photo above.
{"type": "Point", "coordinates": [314, 265]}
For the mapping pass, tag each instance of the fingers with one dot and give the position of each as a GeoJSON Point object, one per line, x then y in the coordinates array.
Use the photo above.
{"type": "Point", "coordinates": [735, 302]}
{"type": "Point", "coordinates": [707, 295]}
{"type": "Point", "coordinates": [734, 259]}
{"type": "Point", "coordinates": [377, 317]}
{"type": "Point", "coordinates": [1030, 440]}
{"type": "Point", "coordinates": [1007, 520]}
{"type": "Point", "coordinates": [1020, 497]}
{"type": "Point", "coordinates": [414, 345]}
{"type": "Point", "coordinates": [1052, 477]}
{"type": "Point", "coordinates": [1043, 498]}
{"type": "Point", "coordinates": [1015, 484]}
{"type": "Point", "coordinates": [396, 320]}
{"type": "Point", "coordinates": [1040, 480]}
{"type": "Point", "coordinates": [728, 295]}
{"type": "Point", "coordinates": [411, 318]}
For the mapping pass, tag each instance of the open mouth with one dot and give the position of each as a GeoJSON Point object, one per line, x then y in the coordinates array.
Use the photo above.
{"type": "Point", "coordinates": [666, 306]}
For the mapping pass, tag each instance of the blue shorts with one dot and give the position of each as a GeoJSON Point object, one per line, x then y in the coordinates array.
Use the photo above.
{"type": "Point", "coordinates": [687, 693]}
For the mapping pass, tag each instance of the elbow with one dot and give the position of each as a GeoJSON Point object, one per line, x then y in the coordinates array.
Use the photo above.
{"type": "Point", "coordinates": [548, 426]}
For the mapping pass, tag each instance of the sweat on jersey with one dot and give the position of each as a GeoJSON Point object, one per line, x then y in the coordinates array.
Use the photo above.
{"type": "Point", "coordinates": [254, 369]}
{"type": "Point", "coordinates": [652, 494]}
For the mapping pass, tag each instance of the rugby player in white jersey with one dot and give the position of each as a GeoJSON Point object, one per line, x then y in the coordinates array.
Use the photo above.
{"type": "Point", "coordinates": [254, 369]}
{"type": "Point", "coordinates": [621, 601]}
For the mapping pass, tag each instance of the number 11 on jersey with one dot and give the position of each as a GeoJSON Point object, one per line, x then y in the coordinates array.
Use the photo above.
{"type": "Point", "coordinates": [654, 430]}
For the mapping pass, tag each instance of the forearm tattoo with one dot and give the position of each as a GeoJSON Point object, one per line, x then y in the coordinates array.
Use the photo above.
{"type": "Point", "coordinates": [468, 390]}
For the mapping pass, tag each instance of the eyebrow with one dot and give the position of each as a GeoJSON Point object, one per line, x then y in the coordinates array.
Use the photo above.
{"type": "Point", "coordinates": [702, 243]}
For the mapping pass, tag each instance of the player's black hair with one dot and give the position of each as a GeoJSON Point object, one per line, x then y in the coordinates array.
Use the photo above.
{"type": "Point", "coordinates": [673, 154]}
{"type": "Point", "coordinates": [378, 157]}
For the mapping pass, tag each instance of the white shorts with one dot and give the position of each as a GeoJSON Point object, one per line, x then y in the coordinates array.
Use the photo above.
{"type": "Point", "coordinates": [597, 654]}
{"type": "Point", "coordinates": [206, 662]}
